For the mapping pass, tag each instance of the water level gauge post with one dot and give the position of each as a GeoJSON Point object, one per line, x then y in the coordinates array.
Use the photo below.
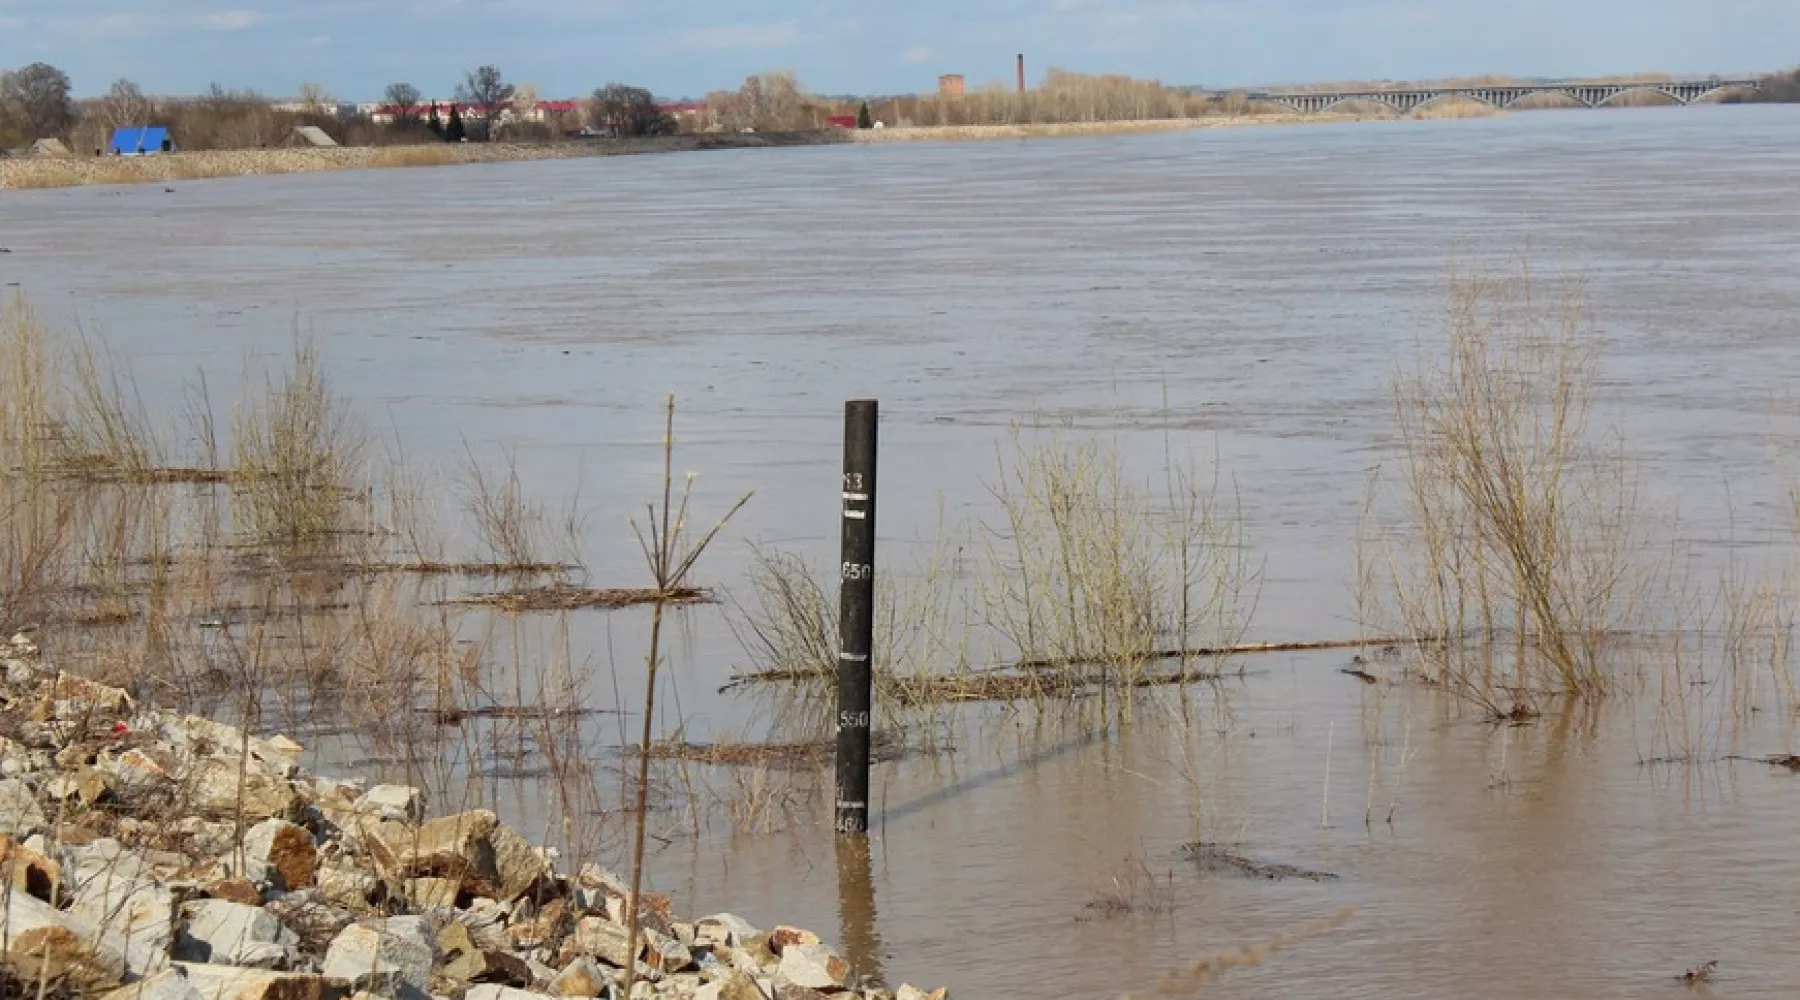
{"type": "Point", "coordinates": [856, 618]}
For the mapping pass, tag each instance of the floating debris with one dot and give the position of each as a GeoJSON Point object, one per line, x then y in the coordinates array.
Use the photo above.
{"type": "Point", "coordinates": [1216, 858]}
{"type": "Point", "coordinates": [560, 597]}
{"type": "Point", "coordinates": [1700, 973]}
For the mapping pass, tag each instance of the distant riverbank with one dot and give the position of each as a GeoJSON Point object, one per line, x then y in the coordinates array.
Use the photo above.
{"type": "Point", "coordinates": [35, 172]}
{"type": "Point", "coordinates": [1047, 130]}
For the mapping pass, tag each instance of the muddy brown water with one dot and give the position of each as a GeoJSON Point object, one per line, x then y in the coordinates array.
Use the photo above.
{"type": "Point", "coordinates": [1248, 291]}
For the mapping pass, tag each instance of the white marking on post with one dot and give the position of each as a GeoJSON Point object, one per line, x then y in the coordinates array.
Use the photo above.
{"type": "Point", "coordinates": [857, 515]}
{"type": "Point", "coordinates": [854, 657]}
{"type": "Point", "coordinates": [856, 496]}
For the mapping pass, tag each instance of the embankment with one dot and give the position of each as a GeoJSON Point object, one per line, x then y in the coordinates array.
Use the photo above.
{"type": "Point", "coordinates": [52, 173]}
{"type": "Point", "coordinates": [150, 855]}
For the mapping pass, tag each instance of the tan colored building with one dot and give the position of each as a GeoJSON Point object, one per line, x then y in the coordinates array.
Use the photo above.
{"type": "Point", "coordinates": [950, 85]}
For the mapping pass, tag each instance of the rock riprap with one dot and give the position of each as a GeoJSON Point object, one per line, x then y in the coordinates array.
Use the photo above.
{"type": "Point", "coordinates": [151, 855]}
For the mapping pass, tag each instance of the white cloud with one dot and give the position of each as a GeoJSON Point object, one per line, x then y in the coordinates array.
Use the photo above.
{"type": "Point", "coordinates": [739, 36]}
{"type": "Point", "coordinates": [232, 20]}
{"type": "Point", "coordinates": [113, 25]}
{"type": "Point", "coordinates": [318, 41]}
{"type": "Point", "coordinates": [917, 54]}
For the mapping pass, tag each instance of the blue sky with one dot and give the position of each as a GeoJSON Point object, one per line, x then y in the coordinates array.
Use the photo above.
{"type": "Point", "coordinates": [354, 48]}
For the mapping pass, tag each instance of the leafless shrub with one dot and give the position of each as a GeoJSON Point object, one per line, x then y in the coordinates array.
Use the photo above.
{"type": "Point", "coordinates": [1521, 549]}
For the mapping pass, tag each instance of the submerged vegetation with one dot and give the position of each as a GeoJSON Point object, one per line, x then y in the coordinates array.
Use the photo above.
{"type": "Point", "coordinates": [284, 567]}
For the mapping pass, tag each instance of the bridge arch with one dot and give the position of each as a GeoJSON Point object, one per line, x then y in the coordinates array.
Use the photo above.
{"type": "Point", "coordinates": [1717, 94]}
{"type": "Point", "coordinates": [1534, 97]}
{"type": "Point", "coordinates": [1373, 97]}
{"type": "Point", "coordinates": [1668, 95]}
{"type": "Point", "coordinates": [1456, 97]}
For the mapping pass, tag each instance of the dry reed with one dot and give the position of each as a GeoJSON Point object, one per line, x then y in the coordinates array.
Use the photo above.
{"type": "Point", "coordinates": [297, 457]}
{"type": "Point", "coordinates": [1085, 582]}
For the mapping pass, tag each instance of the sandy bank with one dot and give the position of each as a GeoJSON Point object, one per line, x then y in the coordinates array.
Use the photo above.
{"type": "Point", "coordinates": [47, 173]}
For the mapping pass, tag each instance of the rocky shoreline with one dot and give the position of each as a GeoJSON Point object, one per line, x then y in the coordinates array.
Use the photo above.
{"type": "Point", "coordinates": [150, 855]}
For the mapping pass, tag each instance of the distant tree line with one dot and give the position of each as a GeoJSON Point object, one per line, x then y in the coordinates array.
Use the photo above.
{"type": "Point", "coordinates": [1064, 96]}
{"type": "Point", "coordinates": [36, 102]}
{"type": "Point", "coordinates": [1781, 88]}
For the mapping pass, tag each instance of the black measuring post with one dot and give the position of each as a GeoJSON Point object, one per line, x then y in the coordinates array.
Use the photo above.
{"type": "Point", "coordinates": [856, 617]}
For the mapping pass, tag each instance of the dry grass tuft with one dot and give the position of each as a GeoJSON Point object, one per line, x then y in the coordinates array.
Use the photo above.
{"type": "Point", "coordinates": [297, 458]}
{"type": "Point", "coordinates": [1088, 581]}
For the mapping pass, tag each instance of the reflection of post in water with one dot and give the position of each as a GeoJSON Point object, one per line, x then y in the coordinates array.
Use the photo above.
{"type": "Point", "coordinates": [856, 909]}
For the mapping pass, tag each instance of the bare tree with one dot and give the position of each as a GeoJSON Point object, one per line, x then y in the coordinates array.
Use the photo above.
{"type": "Point", "coordinates": [485, 89]}
{"type": "Point", "coordinates": [525, 100]}
{"type": "Point", "coordinates": [36, 101]}
{"type": "Point", "coordinates": [775, 101]}
{"type": "Point", "coordinates": [630, 111]}
{"type": "Point", "coordinates": [316, 100]}
{"type": "Point", "coordinates": [403, 97]}
{"type": "Point", "coordinates": [125, 104]}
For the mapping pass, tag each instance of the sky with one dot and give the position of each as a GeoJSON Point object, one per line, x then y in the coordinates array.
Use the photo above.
{"type": "Point", "coordinates": [684, 48]}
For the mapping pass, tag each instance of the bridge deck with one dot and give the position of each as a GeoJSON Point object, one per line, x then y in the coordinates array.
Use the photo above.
{"type": "Point", "coordinates": [1591, 95]}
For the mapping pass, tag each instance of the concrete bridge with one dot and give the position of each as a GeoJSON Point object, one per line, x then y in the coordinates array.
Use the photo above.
{"type": "Point", "coordinates": [1591, 95]}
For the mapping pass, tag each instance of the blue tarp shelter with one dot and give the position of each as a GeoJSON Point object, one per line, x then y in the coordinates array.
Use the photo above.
{"type": "Point", "coordinates": [144, 141]}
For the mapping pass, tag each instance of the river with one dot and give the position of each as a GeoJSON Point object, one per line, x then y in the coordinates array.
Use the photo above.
{"type": "Point", "coordinates": [1239, 293]}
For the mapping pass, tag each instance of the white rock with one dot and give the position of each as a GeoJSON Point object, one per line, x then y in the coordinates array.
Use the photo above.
{"type": "Point", "coordinates": [288, 848]}
{"type": "Point", "coordinates": [399, 802]}
{"type": "Point", "coordinates": [724, 930]}
{"type": "Point", "coordinates": [220, 932]}
{"type": "Point", "coordinates": [494, 991]}
{"type": "Point", "coordinates": [169, 984]}
{"type": "Point", "coordinates": [486, 920]}
{"type": "Point", "coordinates": [17, 759]}
{"type": "Point", "coordinates": [68, 934]}
{"type": "Point", "coordinates": [812, 966]}
{"type": "Point", "coordinates": [224, 982]}
{"type": "Point", "coordinates": [115, 891]}
{"type": "Point", "coordinates": [666, 953]}
{"type": "Point", "coordinates": [347, 887]}
{"type": "Point", "coordinates": [211, 785]}
{"type": "Point", "coordinates": [20, 814]}
{"type": "Point", "coordinates": [404, 946]}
